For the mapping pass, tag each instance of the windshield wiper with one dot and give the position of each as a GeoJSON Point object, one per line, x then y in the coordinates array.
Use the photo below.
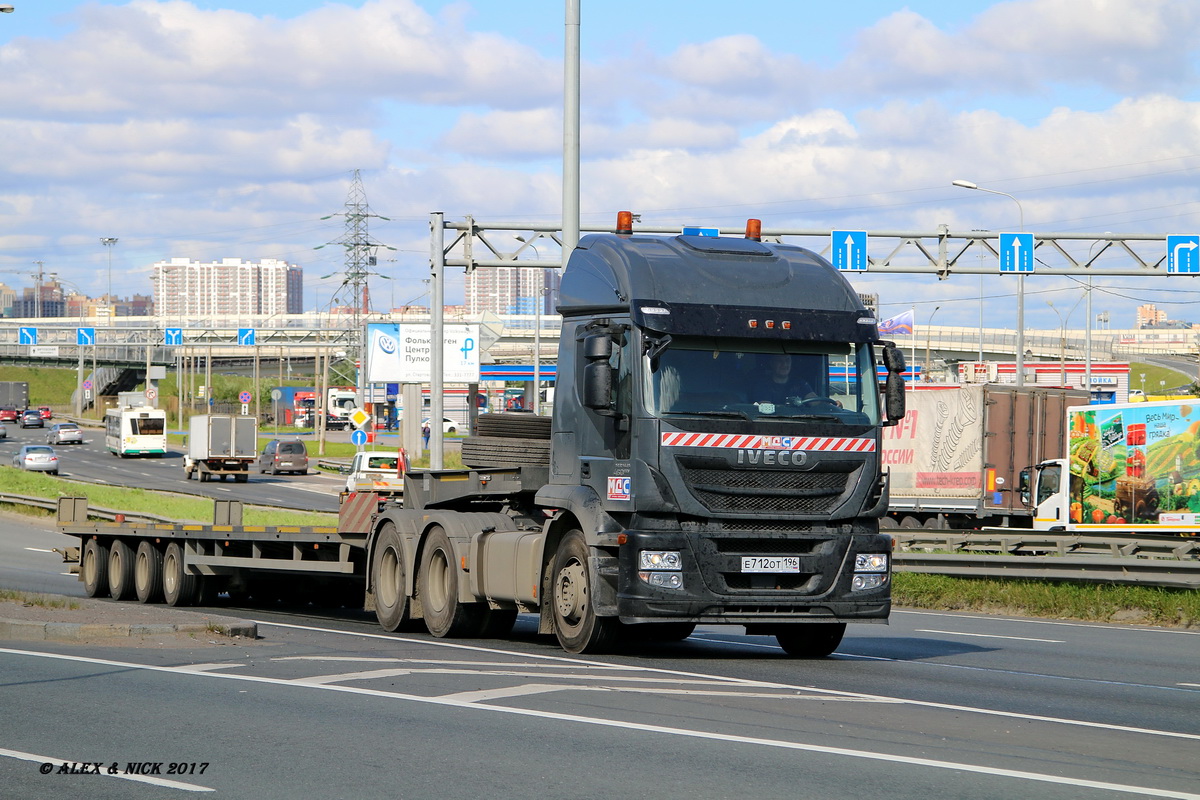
{"type": "Point", "coordinates": [715, 413]}
{"type": "Point", "coordinates": [824, 417]}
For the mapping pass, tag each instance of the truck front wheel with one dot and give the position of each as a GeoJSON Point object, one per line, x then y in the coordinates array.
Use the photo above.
{"type": "Point", "coordinates": [444, 615]}
{"type": "Point", "coordinates": [388, 579]}
{"type": "Point", "coordinates": [576, 625]}
{"type": "Point", "coordinates": [811, 641]}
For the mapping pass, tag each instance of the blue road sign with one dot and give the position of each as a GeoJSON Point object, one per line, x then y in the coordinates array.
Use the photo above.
{"type": "Point", "coordinates": [85, 336]}
{"type": "Point", "coordinates": [27, 336]}
{"type": "Point", "coordinates": [1183, 254]}
{"type": "Point", "coordinates": [358, 438]}
{"type": "Point", "coordinates": [701, 232]}
{"type": "Point", "coordinates": [849, 250]}
{"type": "Point", "coordinates": [1016, 252]}
{"type": "Point", "coordinates": [246, 336]}
{"type": "Point", "coordinates": [173, 336]}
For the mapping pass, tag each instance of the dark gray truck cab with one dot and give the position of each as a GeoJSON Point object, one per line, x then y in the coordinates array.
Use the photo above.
{"type": "Point", "coordinates": [698, 499]}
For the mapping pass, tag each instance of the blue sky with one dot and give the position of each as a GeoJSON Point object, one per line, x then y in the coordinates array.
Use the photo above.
{"type": "Point", "coordinates": [212, 130]}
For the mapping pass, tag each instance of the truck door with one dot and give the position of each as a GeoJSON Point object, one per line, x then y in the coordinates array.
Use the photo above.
{"type": "Point", "coordinates": [1050, 503]}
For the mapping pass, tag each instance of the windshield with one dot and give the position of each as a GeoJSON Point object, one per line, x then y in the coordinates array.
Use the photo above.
{"type": "Point", "coordinates": [756, 380]}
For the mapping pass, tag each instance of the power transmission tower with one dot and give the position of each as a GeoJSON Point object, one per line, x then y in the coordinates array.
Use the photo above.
{"type": "Point", "coordinates": [352, 297]}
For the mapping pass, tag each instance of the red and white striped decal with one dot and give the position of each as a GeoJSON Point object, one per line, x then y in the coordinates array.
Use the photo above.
{"type": "Point", "coordinates": [756, 442]}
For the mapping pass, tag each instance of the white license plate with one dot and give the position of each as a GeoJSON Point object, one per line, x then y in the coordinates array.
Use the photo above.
{"type": "Point", "coordinates": [770, 563]}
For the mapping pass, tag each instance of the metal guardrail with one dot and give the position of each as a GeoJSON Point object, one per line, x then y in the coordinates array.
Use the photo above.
{"type": "Point", "coordinates": [103, 513]}
{"type": "Point", "coordinates": [1001, 553]}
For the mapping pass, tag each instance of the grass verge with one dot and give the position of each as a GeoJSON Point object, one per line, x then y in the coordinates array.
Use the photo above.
{"type": "Point", "coordinates": [1139, 605]}
{"type": "Point", "coordinates": [40, 600]}
{"type": "Point", "coordinates": [174, 506]}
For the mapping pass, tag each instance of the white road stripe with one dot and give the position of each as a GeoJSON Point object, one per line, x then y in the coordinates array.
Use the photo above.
{"type": "Point", "coordinates": [212, 666]}
{"type": "Point", "coordinates": [511, 691]}
{"type": "Point", "coordinates": [57, 761]}
{"type": "Point", "coordinates": [990, 636]}
{"type": "Point", "coordinates": [768, 684]}
{"type": "Point", "coordinates": [1029, 621]}
{"type": "Point", "coordinates": [369, 675]}
{"type": "Point", "coordinates": [1036, 777]}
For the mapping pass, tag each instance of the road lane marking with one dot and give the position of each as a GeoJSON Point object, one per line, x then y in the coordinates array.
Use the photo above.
{"type": "Point", "coordinates": [713, 736]}
{"type": "Point", "coordinates": [990, 636]}
{"type": "Point", "coordinates": [441, 643]}
{"type": "Point", "coordinates": [55, 760]}
{"type": "Point", "coordinates": [215, 665]}
{"type": "Point", "coordinates": [500, 694]}
{"type": "Point", "coordinates": [1093, 625]}
{"type": "Point", "coordinates": [368, 675]}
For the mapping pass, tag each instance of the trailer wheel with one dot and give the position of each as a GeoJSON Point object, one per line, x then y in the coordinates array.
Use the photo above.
{"type": "Point", "coordinates": [811, 641]}
{"type": "Point", "coordinates": [388, 577]}
{"type": "Point", "coordinates": [179, 586]}
{"type": "Point", "coordinates": [576, 625]}
{"type": "Point", "coordinates": [93, 566]}
{"type": "Point", "coordinates": [148, 573]}
{"type": "Point", "coordinates": [120, 570]}
{"type": "Point", "coordinates": [444, 615]}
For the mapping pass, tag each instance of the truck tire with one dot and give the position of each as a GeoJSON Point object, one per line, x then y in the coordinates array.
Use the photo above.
{"type": "Point", "coordinates": [179, 586]}
{"type": "Point", "coordinates": [93, 567]}
{"type": "Point", "coordinates": [810, 641]}
{"type": "Point", "coordinates": [388, 577]}
{"type": "Point", "coordinates": [438, 580]}
{"type": "Point", "coordinates": [148, 573]}
{"type": "Point", "coordinates": [576, 625]}
{"type": "Point", "coordinates": [120, 570]}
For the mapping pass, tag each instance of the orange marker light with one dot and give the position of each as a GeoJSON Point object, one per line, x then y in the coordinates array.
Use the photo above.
{"type": "Point", "coordinates": [625, 222]}
{"type": "Point", "coordinates": [754, 229]}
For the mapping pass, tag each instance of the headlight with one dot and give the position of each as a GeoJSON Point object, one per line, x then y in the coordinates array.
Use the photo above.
{"type": "Point", "coordinates": [863, 582]}
{"type": "Point", "coordinates": [663, 580]}
{"type": "Point", "coordinates": [660, 559]}
{"type": "Point", "coordinates": [871, 562]}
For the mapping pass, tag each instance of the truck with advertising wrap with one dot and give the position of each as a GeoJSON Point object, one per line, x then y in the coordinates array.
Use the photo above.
{"type": "Point", "coordinates": [701, 467]}
{"type": "Point", "coordinates": [955, 460]}
{"type": "Point", "coordinates": [1128, 468]}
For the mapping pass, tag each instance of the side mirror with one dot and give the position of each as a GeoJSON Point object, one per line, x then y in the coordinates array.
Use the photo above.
{"type": "Point", "coordinates": [1023, 486]}
{"type": "Point", "coordinates": [597, 347]}
{"type": "Point", "coordinates": [893, 388]}
{"type": "Point", "coordinates": [597, 385]}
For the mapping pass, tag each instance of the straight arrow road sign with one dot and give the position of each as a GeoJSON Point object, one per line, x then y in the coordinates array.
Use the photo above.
{"type": "Point", "coordinates": [1016, 252]}
{"type": "Point", "coordinates": [849, 250]}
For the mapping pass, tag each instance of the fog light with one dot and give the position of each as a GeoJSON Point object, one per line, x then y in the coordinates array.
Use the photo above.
{"type": "Point", "coordinates": [863, 582]}
{"type": "Point", "coordinates": [659, 559]}
{"type": "Point", "coordinates": [663, 580]}
{"type": "Point", "coordinates": [871, 562]}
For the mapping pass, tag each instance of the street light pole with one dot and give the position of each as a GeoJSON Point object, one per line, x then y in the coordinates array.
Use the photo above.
{"type": "Point", "coordinates": [928, 331]}
{"type": "Point", "coordinates": [109, 241]}
{"type": "Point", "coordinates": [1020, 278]}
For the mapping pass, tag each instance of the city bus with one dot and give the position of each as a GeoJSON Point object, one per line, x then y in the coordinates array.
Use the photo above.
{"type": "Point", "coordinates": [136, 431]}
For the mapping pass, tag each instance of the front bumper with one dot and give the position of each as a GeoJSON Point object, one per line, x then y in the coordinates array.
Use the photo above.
{"type": "Point", "coordinates": [716, 590]}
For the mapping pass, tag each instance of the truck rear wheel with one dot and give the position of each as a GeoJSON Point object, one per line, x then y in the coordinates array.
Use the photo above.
{"type": "Point", "coordinates": [444, 614]}
{"type": "Point", "coordinates": [120, 570]}
{"type": "Point", "coordinates": [148, 573]}
{"type": "Point", "coordinates": [93, 566]}
{"type": "Point", "coordinates": [179, 586]}
{"type": "Point", "coordinates": [811, 641]}
{"type": "Point", "coordinates": [388, 579]}
{"type": "Point", "coordinates": [576, 625]}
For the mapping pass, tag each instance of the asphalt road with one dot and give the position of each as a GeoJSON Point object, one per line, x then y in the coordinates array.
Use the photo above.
{"type": "Point", "coordinates": [326, 704]}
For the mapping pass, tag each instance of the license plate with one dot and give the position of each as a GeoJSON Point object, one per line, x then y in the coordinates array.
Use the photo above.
{"type": "Point", "coordinates": [770, 563]}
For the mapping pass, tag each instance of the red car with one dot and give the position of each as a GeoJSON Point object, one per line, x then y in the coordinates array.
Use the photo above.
{"type": "Point", "coordinates": [45, 412]}
{"type": "Point", "coordinates": [8, 414]}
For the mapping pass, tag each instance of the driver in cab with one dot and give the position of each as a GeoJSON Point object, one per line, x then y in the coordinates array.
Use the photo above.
{"type": "Point", "coordinates": [778, 382]}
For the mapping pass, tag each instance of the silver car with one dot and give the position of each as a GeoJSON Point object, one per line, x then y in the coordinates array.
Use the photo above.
{"type": "Point", "coordinates": [65, 433]}
{"type": "Point", "coordinates": [36, 458]}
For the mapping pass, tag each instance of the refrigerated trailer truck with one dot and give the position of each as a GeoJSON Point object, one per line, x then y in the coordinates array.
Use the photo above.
{"type": "Point", "coordinates": [1126, 468]}
{"type": "Point", "coordinates": [680, 482]}
{"type": "Point", "coordinates": [955, 461]}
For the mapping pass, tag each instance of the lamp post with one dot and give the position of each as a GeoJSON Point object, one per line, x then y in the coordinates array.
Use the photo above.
{"type": "Point", "coordinates": [1020, 278]}
{"type": "Point", "coordinates": [928, 331]}
{"type": "Point", "coordinates": [109, 241]}
{"type": "Point", "coordinates": [537, 329]}
{"type": "Point", "coordinates": [1062, 345]}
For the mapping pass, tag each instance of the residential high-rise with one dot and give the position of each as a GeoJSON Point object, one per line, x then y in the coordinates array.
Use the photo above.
{"type": "Point", "coordinates": [183, 287]}
{"type": "Point", "coordinates": [511, 290]}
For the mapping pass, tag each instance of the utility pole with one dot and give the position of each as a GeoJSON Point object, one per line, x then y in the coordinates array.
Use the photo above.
{"type": "Point", "coordinates": [109, 242]}
{"type": "Point", "coordinates": [37, 291]}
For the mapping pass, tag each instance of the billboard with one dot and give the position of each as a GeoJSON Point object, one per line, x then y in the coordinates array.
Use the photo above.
{"type": "Point", "coordinates": [401, 353]}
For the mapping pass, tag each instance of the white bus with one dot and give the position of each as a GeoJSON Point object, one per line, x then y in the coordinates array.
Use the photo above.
{"type": "Point", "coordinates": [136, 431]}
